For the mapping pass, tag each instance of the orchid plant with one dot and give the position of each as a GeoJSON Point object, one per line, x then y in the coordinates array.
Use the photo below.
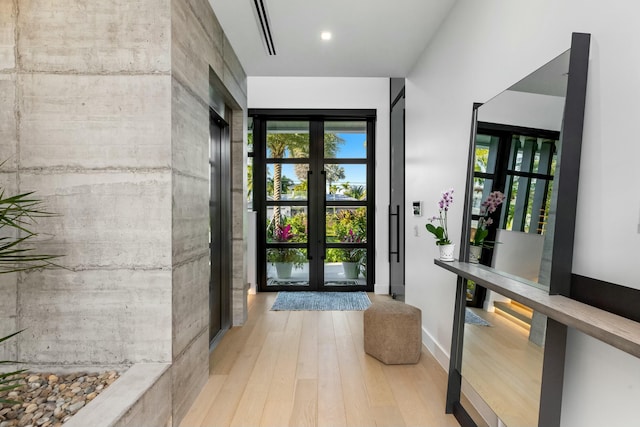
{"type": "Point", "coordinates": [487, 208]}
{"type": "Point", "coordinates": [440, 232]}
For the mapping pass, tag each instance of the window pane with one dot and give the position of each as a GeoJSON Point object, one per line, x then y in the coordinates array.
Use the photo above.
{"type": "Point", "coordinates": [345, 267]}
{"type": "Point", "coordinates": [290, 180]}
{"type": "Point", "coordinates": [250, 136]}
{"type": "Point", "coordinates": [293, 224]}
{"type": "Point", "coordinates": [346, 182]}
{"type": "Point", "coordinates": [511, 203]}
{"type": "Point", "coordinates": [481, 190]}
{"type": "Point", "coordinates": [346, 140]}
{"type": "Point", "coordinates": [287, 139]}
{"type": "Point", "coordinates": [485, 157]}
{"type": "Point", "coordinates": [287, 267]}
{"type": "Point", "coordinates": [250, 183]}
{"type": "Point", "coordinates": [346, 224]}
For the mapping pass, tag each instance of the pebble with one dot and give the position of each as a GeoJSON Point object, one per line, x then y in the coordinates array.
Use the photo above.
{"type": "Point", "coordinates": [49, 400]}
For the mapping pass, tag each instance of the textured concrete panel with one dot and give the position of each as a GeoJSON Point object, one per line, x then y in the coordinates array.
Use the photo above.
{"type": "Point", "coordinates": [238, 269]}
{"type": "Point", "coordinates": [190, 302]}
{"type": "Point", "coordinates": [190, 371]}
{"type": "Point", "coordinates": [106, 219]}
{"type": "Point", "coordinates": [7, 35]}
{"type": "Point", "coordinates": [189, 133]}
{"type": "Point", "coordinates": [238, 127]}
{"type": "Point", "coordinates": [153, 408]}
{"type": "Point", "coordinates": [206, 17]}
{"type": "Point", "coordinates": [140, 397]}
{"type": "Point", "coordinates": [239, 307]}
{"type": "Point", "coordinates": [193, 50]}
{"type": "Point", "coordinates": [8, 314]}
{"type": "Point", "coordinates": [190, 218]}
{"type": "Point", "coordinates": [96, 316]}
{"type": "Point", "coordinates": [234, 88]}
{"type": "Point", "coordinates": [95, 121]}
{"type": "Point", "coordinates": [8, 125]}
{"type": "Point", "coordinates": [234, 66]}
{"type": "Point", "coordinates": [96, 37]}
{"type": "Point", "coordinates": [238, 159]}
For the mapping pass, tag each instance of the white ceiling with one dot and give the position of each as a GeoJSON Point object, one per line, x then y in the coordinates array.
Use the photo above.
{"type": "Point", "coordinates": [371, 38]}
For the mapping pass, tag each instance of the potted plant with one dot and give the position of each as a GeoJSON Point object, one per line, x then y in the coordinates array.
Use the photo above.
{"type": "Point", "coordinates": [284, 259]}
{"type": "Point", "coordinates": [487, 209]}
{"type": "Point", "coordinates": [18, 213]}
{"type": "Point", "coordinates": [441, 232]}
{"type": "Point", "coordinates": [352, 258]}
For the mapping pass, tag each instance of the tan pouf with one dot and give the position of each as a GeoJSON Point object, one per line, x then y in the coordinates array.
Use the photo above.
{"type": "Point", "coordinates": [392, 332]}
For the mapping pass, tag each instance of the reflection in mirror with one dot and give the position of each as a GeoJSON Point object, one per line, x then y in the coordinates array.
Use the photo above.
{"type": "Point", "coordinates": [502, 366]}
{"type": "Point", "coordinates": [517, 152]}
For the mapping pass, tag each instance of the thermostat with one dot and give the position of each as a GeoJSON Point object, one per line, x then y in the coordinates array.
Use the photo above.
{"type": "Point", "coordinates": [417, 208]}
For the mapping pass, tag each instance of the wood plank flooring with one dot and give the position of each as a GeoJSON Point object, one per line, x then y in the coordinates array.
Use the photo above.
{"type": "Point", "coordinates": [308, 368]}
{"type": "Point", "coordinates": [504, 368]}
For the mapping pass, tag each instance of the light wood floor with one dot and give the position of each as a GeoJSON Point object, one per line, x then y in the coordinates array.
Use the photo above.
{"type": "Point", "coordinates": [504, 368]}
{"type": "Point", "coordinates": [308, 368]}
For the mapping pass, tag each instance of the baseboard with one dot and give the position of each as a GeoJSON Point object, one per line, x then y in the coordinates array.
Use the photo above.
{"type": "Point", "coordinates": [381, 289]}
{"type": "Point", "coordinates": [438, 352]}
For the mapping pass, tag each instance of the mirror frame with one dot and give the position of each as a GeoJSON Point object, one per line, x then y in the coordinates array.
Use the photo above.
{"type": "Point", "coordinates": [563, 232]}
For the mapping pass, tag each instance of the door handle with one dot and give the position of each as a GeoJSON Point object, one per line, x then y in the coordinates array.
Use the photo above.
{"type": "Point", "coordinates": [309, 257]}
{"type": "Point", "coordinates": [397, 251]}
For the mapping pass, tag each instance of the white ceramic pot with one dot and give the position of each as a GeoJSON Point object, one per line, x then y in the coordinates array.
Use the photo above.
{"type": "Point", "coordinates": [475, 252]}
{"type": "Point", "coordinates": [446, 251]}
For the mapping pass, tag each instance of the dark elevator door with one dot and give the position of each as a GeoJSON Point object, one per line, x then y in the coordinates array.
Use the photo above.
{"type": "Point", "coordinates": [220, 226]}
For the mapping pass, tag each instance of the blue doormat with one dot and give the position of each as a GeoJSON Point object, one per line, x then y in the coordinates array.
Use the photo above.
{"type": "Point", "coordinates": [473, 319]}
{"type": "Point", "coordinates": [321, 301]}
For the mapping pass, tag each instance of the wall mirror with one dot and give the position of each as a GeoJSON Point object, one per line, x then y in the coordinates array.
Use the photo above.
{"type": "Point", "coordinates": [523, 140]}
{"type": "Point", "coordinates": [517, 150]}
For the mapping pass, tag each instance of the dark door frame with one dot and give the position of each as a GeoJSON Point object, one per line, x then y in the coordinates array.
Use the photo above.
{"type": "Point", "coordinates": [316, 218]}
{"type": "Point", "coordinates": [220, 227]}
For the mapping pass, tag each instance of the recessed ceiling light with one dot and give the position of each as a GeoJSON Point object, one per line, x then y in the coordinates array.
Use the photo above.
{"type": "Point", "coordinates": [325, 35]}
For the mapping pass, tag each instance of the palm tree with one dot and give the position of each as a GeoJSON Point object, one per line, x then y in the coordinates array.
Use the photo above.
{"type": "Point", "coordinates": [297, 144]}
{"type": "Point", "coordinates": [335, 173]}
{"type": "Point", "coordinates": [278, 144]}
{"type": "Point", "coordinates": [357, 192]}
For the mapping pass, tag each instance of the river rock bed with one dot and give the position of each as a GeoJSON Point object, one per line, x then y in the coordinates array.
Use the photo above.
{"type": "Point", "coordinates": [49, 400]}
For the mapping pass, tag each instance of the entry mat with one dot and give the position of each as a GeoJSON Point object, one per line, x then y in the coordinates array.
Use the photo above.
{"type": "Point", "coordinates": [474, 319]}
{"type": "Point", "coordinates": [321, 301]}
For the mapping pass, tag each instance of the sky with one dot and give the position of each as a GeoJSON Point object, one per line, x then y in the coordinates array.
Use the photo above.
{"type": "Point", "coordinates": [353, 147]}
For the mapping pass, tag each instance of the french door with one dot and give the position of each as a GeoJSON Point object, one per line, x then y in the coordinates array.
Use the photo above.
{"type": "Point", "coordinates": [313, 180]}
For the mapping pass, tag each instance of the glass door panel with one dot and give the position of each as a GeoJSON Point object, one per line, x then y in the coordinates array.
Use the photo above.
{"type": "Point", "coordinates": [291, 181]}
{"type": "Point", "coordinates": [345, 266]}
{"type": "Point", "coordinates": [345, 140]}
{"type": "Point", "coordinates": [287, 139]}
{"type": "Point", "coordinates": [345, 181]}
{"type": "Point", "coordinates": [311, 196]}
{"type": "Point", "coordinates": [287, 266]}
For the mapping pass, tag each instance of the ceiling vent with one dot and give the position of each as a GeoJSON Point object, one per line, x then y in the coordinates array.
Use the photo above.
{"type": "Point", "coordinates": [264, 25]}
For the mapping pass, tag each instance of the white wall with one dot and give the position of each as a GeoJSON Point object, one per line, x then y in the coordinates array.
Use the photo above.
{"type": "Point", "coordinates": [338, 92]}
{"type": "Point", "coordinates": [465, 63]}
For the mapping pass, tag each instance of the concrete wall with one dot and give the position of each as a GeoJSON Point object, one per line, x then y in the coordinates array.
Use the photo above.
{"type": "Point", "coordinates": [86, 122]}
{"type": "Point", "coordinates": [463, 64]}
{"type": "Point", "coordinates": [341, 92]}
{"type": "Point", "coordinates": [200, 53]}
{"type": "Point", "coordinates": [104, 112]}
